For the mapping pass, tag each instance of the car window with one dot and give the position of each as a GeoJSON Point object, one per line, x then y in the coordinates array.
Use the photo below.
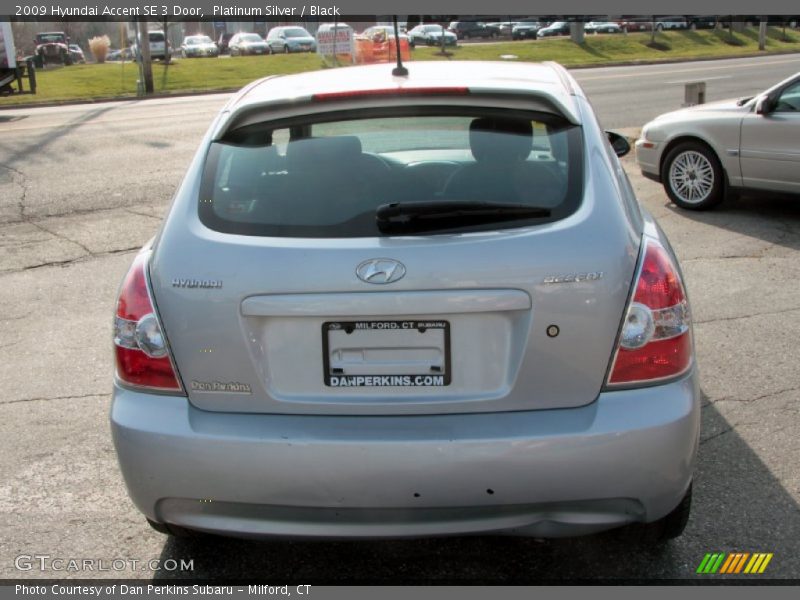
{"type": "Point", "coordinates": [296, 32]}
{"type": "Point", "coordinates": [789, 100]}
{"type": "Point", "coordinates": [327, 178]}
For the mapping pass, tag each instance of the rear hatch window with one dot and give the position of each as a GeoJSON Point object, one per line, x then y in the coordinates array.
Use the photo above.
{"type": "Point", "coordinates": [413, 171]}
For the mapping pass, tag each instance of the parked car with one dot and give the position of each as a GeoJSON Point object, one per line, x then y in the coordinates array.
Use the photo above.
{"type": "Point", "coordinates": [503, 27]}
{"type": "Point", "coordinates": [431, 35]}
{"type": "Point", "coordinates": [602, 27]}
{"type": "Point", "coordinates": [557, 28]}
{"type": "Point", "coordinates": [76, 54]}
{"type": "Point", "coordinates": [472, 29]}
{"type": "Point", "coordinates": [223, 41]}
{"type": "Point", "coordinates": [291, 39]}
{"type": "Point", "coordinates": [197, 46]}
{"type": "Point", "coordinates": [701, 21]}
{"type": "Point", "coordinates": [636, 24]}
{"type": "Point", "coordinates": [52, 47]}
{"type": "Point", "coordinates": [381, 33]}
{"type": "Point", "coordinates": [667, 23]}
{"type": "Point", "coordinates": [382, 306]}
{"type": "Point", "coordinates": [526, 30]}
{"type": "Point", "coordinates": [160, 48]}
{"type": "Point", "coordinates": [243, 44]}
{"type": "Point", "coordinates": [701, 152]}
{"type": "Point", "coordinates": [124, 54]}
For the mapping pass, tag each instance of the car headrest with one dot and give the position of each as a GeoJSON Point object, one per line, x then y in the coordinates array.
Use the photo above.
{"type": "Point", "coordinates": [500, 140]}
{"type": "Point", "coordinates": [311, 154]}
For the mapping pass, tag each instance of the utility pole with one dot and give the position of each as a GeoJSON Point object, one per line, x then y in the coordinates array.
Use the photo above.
{"type": "Point", "coordinates": [576, 31]}
{"type": "Point", "coordinates": [167, 53]}
{"type": "Point", "coordinates": [144, 56]}
{"type": "Point", "coordinates": [762, 34]}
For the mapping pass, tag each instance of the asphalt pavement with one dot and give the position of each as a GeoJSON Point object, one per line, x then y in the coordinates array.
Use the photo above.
{"type": "Point", "coordinates": [83, 187]}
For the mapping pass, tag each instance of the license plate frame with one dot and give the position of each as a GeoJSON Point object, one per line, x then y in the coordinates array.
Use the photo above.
{"type": "Point", "coordinates": [431, 379]}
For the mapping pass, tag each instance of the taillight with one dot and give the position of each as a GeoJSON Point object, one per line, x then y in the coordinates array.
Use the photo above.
{"type": "Point", "coordinates": [140, 347]}
{"type": "Point", "coordinates": [656, 338]}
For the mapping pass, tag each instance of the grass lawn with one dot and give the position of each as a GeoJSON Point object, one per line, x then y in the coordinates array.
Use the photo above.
{"type": "Point", "coordinates": [115, 80]}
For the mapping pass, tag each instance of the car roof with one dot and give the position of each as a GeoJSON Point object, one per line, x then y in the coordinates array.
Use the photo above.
{"type": "Point", "coordinates": [548, 80]}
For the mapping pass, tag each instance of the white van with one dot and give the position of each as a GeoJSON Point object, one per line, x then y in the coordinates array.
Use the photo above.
{"type": "Point", "coordinates": [159, 47]}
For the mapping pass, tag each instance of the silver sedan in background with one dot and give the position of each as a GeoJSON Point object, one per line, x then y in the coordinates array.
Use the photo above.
{"type": "Point", "coordinates": [702, 152]}
{"type": "Point", "coordinates": [197, 46]}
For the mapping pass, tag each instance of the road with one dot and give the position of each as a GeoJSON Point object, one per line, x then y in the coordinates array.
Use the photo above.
{"type": "Point", "coordinates": [82, 187]}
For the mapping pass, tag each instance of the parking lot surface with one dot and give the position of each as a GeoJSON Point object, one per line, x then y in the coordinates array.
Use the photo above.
{"type": "Point", "coordinates": [83, 187]}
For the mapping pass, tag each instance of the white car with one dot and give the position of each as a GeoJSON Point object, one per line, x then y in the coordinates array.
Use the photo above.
{"type": "Point", "coordinates": [196, 46]}
{"type": "Point", "coordinates": [602, 27]}
{"type": "Point", "coordinates": [701, 152]}
{"type": "Point", "coordinates": [159, 46]}
{"type": "Point", "coordinates": [243, 44]}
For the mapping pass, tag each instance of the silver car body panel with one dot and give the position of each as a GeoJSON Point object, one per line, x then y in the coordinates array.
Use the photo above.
{"type": "Point", "coordinates": [279, 356]}
{"type": "Point", "coordinates": [756, 151]}
{"type": "Point", "coordinates": [527, 439]}
{"type": "Point", "coordinates": [628, 457]}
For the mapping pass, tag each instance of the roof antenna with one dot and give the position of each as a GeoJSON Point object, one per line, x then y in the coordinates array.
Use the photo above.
{"type": "Point", "coordinates": [399, 70]}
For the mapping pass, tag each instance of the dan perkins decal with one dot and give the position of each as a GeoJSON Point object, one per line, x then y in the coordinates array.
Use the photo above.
{"type": "Point", "coordinates": [232, 387]}
{"type": "Point", "coordinates": [385, 380]}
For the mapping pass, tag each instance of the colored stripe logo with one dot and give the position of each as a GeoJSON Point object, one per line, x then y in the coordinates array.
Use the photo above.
{"type": "Point", "coordinates": [734, 563]}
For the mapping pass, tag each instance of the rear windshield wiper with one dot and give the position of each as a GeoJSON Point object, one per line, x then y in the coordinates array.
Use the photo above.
{"type": "Point", "coordinates": [443, 214]}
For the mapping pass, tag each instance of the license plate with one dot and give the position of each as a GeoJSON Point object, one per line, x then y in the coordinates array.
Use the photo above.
{"type": "Point", "coordinates": [413, 353]}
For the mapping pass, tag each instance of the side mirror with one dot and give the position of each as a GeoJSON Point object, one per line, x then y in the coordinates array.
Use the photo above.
{"type": "Point", "coordinates": [763, 105]}
{"type": "Point", "coordinates": [619, 143]}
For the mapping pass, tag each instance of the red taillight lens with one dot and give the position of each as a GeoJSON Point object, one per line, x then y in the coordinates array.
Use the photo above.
{"type": "Point", "coordinates": [656, 338]}
{"type": "Point", "coordinates": [139, 343]}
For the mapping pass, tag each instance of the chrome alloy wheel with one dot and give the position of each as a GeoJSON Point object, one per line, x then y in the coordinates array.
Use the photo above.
{"type": "Point", "coordinates": [691, 177]}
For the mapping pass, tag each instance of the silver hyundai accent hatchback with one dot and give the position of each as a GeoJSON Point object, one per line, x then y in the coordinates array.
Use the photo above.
{"type": "Point", "coordinates": [389, 306]}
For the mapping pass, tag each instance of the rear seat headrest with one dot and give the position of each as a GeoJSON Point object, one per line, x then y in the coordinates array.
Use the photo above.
{"type": "Point", "coordinates": [322, 153]}
{"type": "Point", "coordinates": [487, 146]}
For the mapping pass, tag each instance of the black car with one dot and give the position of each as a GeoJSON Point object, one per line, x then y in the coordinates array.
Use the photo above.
{"type": "Point", "coordinates": [52, 47]}
{"type": "Point", "coordinates": [701, 21]}
{"type": "Point", "coordinates": [523, 30]}
{"type": "Point", "coordinates": [222, 42]}
{"type": "Point", "coordinates": [557, 28]}
{"type": "Point", "coordinates": [472, 29]}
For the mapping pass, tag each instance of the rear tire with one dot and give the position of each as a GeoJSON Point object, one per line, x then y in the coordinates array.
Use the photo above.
{"type": "Point", "coordinates": [693, 177]}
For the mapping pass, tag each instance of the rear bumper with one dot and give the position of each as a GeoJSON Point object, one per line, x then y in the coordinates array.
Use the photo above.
{"type": "Point", "coordinates": [628, 457]}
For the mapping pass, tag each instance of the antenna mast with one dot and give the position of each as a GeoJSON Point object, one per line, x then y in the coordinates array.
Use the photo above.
{"type": "Point", "coordinates": [399, 70]}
